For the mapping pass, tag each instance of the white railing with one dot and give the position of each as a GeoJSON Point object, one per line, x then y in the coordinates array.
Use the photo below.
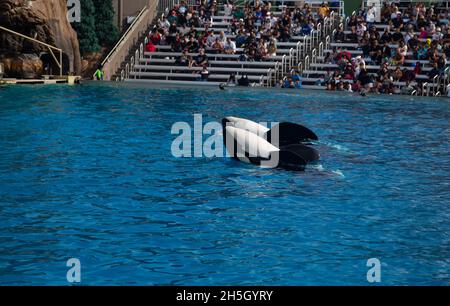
{"type": "Point", "coordinates": [425, 89]}
{"type": "Point", "coordinates": [307, 62]}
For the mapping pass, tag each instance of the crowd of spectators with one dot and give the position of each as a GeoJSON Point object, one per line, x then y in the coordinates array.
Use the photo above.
{"type": "Point", "coordinates": [419, 34]}
{"type": "Point", "coordinates": [252, 29]}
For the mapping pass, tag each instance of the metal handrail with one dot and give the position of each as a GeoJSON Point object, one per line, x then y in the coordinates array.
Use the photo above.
{"type": "Point", "coordinates": [298, 53]}
{"type": "Point", "coordinates": [425, 85]}
{"type": "Point", "coordinates": [50, 47]}
{"type": "Point", "coordinates": [268, 77]}
{"type": "Point", "coordinates": [307, 62]}
{"type": "Point", "coordinates": [320, 49]}
{"type": "Point", "coordinates": [435, 84]}
{"type": "Point", "coordinates": [291, 57]}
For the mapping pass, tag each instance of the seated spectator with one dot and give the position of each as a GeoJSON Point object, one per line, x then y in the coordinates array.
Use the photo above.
{"type": "Point", "coordinates": [272, 48]}
{"type": "Point", "coordinates": [408, 75]}
{"type": "Point", "coordinates": [349, 72]}
{"type": "Point", "coordinates": [356, 86]}
{"type": "Point", "coordinates": [442, 62]}
{"type": "Point", "coordinates": [306, 29]}
{"type": "Point", "coordinates": [347, 87]}
{"type": "Point", "coordinates": [328, 58]}
{"type": "Point", "coordinates": [200, 60]}
{"type": "Point", "coordinates": [371, 13]}
{"type": "Point", "coordinates": [285, 36]}
{"type": "Point", "coordinates": [184, 59]}
{"type": "Point", "coordinates": [364, 78]}
{"type": "Point", "coordinates": [230, 46]}
{"type": "Point", "coordinates": [192, 45]}
{"type": "Point", "coordinates": [211, 38]}
{"type": "Point", "coordinates": [386, 37]}
{"type": "Point", "coordinates": [150, 47]}
{"type": "Point", "coordinates": [360, 30]}
{"type": "Point", "coordinates": [352, 37]}
{"type": "Point", "coordinates": [228, 8]}
{"type": "Point", "coordinates": [398, 74]}
{"type": "Point", "coordinates": [417, 68]}
{"type": "Point", "coordinates": [222, 37]}
{"type": "Point", "coordinates": [407, 89]}
{"type": "Point", "coordinates": [398, 22]}
{"type": "Point", "coordinates": [343, 55]}
{"type": "Point", "coordinates": [217, 46]}
{"type": "Point", "coordinates": [431, 29]}
{"type": "Point", "coordinates": [413, 43]}
{"type": "Point", "coordinates": [422, 52]}
{"type": "Point", "coordinates": [155, 38]}
{"type": "Point", "coordinates": [401, 52]}
{"type": "Point", "coordinates": [240, 39]}
{"type": "Point", "coordinates": [339, 36]}
{"type": "Point", "coordinates": [177, 44]}
{"type": "Point", "coordinates": [164, 23]}
{"type": "Point", "coordinates": [173, 18]}
{"type": "Point", "coordinates": [434, 71]}
{"type": "Point", "coordinates": [397, 36]}
{"type": "Point", "coordinates": [423, 33]}
{"type": "Point", "coordinates": [171, 34]}
{"type": "Point", "coordinates": [262, 53]}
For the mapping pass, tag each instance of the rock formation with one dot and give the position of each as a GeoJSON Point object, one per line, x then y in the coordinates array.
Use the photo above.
{"type": "Point", "coordinates": [45, 20]}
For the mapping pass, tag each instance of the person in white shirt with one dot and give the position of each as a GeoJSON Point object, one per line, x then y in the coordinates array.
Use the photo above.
{"type": "Point", "coordinates": [228, 9]}
{"type": "Point", "coordinates": [371, 13]}
{"type": "Point", "coordinates": [395, 13]}
{"type": "Point", "coordinates": [438, 34]}
{"type": "Point", "coordinates": [211, 39]}
{"type": "Point", "coordinates": [222, 37]}
{"type": "Point", "coordinates": [164, 23]}
{"type": "Point", "coordinates": [229, 46]}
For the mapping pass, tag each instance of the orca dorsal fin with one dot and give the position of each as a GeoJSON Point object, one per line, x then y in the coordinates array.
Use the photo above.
{"type": "Point", "coordinates": [290, 133]}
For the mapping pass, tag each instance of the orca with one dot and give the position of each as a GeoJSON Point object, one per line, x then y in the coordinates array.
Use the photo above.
{"type": "Point", "coordinates": [292, 137]}
{"type": "Point", "coordinates": [288, 132]}
{"type": "Point", "coordinates": [248, 147]}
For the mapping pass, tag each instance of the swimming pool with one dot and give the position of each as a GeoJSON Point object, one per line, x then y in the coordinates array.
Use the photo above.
{"type": "Point", "coordinates": [87, 172]}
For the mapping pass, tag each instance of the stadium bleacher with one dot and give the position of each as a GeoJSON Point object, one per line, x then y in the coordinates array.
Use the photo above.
{"type": "Point", "coordinates": [399, 53]}
{"type": "Point", "coordinates": [296, 30]}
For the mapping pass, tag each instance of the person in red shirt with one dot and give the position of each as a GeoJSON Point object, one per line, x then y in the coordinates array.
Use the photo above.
{"type": "Point", "coordinates": [150, 47]}
{"type": "Point", "coordinates": [155, 38]}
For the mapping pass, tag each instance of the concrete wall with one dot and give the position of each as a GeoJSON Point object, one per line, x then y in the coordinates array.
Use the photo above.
{"type": "Point", "coordinates": [125, 8]}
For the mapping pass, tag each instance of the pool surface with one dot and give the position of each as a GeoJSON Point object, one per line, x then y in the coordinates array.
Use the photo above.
{"type": "Point", "coordinates": [87, 172]}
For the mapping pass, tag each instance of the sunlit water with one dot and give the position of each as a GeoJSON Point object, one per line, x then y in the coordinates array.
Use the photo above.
{"type": "Point", "coordinates": [87, 172]}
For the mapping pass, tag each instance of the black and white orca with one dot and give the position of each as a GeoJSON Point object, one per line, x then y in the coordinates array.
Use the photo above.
{"type": "Point", "coordinates": [286, 145]}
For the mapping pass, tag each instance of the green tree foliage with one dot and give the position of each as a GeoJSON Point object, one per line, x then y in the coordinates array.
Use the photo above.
{"type": "Point", "coordinates": [86, 30]}
{"type": "Point", "coordinates": [107, 32]}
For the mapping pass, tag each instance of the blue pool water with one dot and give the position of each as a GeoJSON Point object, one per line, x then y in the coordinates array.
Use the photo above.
{"type": "Point", "coordinates": [87, 172]}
